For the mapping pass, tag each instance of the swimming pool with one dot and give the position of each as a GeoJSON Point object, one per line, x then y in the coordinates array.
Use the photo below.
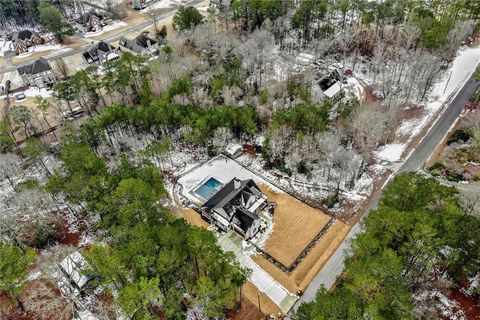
{"type": "Point", "coordinates": [208, 189]}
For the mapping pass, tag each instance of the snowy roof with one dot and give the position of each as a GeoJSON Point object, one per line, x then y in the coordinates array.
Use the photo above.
{"type": "Point", "coordinates": [233, 149]}
{"type": "Point", "coordinates": [73, 266]}
{"type": "Point", "coordinates": [85, 315]}
{"type": "Point", "coordinates": [112, 56]}
{"type": "Point", "coordinates": [304, 58]}
{"type": "Point", "coordinates": [333, 90]}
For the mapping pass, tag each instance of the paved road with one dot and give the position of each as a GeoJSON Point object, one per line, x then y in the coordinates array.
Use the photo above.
{"type": "Point", "coordinates": [335, 265]}
{"type": "Point", "coordinates": [73, 51]}
{"type": "Point", "coordinates": [264, 282]}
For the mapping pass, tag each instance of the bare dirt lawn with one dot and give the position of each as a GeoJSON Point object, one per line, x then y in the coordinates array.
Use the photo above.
{"type": "Point", "coordinates": [303, 274]}
{"type": "Point", "coordinates": [295, 225]}
{"type": "Point", "coordinates": [194, 218]}
{"type": "Point", "coordinates": [249, 308]}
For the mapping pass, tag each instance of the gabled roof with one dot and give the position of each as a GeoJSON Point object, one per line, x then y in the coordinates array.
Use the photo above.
{"type": "Point", "coordinates": [84, 18]}
{"type": "Point", "coordinates": [227, 193]}
{"type": "Point", "coordinates": [103, 46]}
{"type": "Point", "coordinates": [245, 218]}
{"type": "Point", "coordinates": [24, 34]}
{"type": "Point", "coordinates": [93, 52]}
{"type": "Point", "coordinates": [142, 40]}
{"type": "Point", "coordinates": [37, 66]}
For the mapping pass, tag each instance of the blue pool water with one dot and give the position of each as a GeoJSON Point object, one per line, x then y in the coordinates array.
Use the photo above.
{"type": "Point", "coordinates": [208, 189]}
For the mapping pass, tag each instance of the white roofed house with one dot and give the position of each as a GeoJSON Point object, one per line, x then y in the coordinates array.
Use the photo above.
{"type": "Point", "coordinates": [233, 150]}
{"type": "Point", "coordinates": [334, 91]}
{"type": "Point", "coordinates": [74, 275]}
{"type": "Point", "coordinates": [304, 59]}
{"type": "Point", "coordinates": [331, 86]}
{"type": "Point", "coordinates": [236, 206]}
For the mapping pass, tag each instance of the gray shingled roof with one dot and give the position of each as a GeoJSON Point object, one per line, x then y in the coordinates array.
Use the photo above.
{"type": "Point", "coordinates": [226, 194]}
{"type": "Point", "coordinates": [37, 66]}
{"type": "Point", "coordinates": [24, 34]}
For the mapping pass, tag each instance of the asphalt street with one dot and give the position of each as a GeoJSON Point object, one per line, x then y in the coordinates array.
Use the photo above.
{"type": "Point", "coordinates": [335, 265]}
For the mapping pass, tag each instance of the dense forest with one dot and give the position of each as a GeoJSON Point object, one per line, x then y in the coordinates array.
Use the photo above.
{"type": "Point", "coordinates": [416, 242]}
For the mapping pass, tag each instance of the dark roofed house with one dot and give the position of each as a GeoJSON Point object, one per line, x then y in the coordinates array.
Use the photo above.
{"type": "Point", "coordinates": [90, 22]}
{"type": "Point", "coordinates": [142, 44]}
{"type": "Point", "coordinates": [22, 40]}
{"type": "Point", "coordinates": [236, 206]}
{"type": "Point", "coordinates": [37, 74]}
{"type": "Point", "coordinates": [100, 52]}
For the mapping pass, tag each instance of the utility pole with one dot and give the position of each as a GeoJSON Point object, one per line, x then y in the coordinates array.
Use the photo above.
{"type": "Point", "coordinates": [259, 305]}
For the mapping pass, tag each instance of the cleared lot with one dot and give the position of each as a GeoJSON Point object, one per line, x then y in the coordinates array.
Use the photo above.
{"type": "Point", "coordinates": [301, 276]}
{"type": "Point", "coordinates": [295, 225]}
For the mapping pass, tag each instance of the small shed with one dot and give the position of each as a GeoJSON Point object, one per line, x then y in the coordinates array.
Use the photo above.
{"type": "Point", "coordinates": [73, 274]}
{"type": "Point", "coordinates": [233, 150]}
{"type": "Point", "coordinates": [333, 90]}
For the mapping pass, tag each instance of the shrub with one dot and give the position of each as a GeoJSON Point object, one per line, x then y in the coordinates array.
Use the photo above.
{"type": "Point", "coordinates": [26, 185]}
{"type": "Point", "coordinates": [331, 200]}
{"type": "Point", "coordinates": [459, 135]}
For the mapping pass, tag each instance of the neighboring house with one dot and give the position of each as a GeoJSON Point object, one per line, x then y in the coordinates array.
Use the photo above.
{"type": "Point", "coordinates": [142, 4]}
{"type": "Point", "coordinates": [334, 92]}
{"type": "Point", "coordinates": [23, 40]}
{"type": "Point", "coordinates": [73, 277]}
{"type": "Point", "coordinates": [38, 74]}
{"type": "Point", "coordinates": [142, 45]}
{"type": "Point", "coordinates": [89, 22]}
{"type": "Point", "coordinates": [100, 52]}
{"type": "Point", "coordinates": [304, 59]}
{"type": "Point", "coordinates": [234, 150]}
{"type": "Point", "coordinates": [236, 206]}
{"type": "Point", "coordinates": [139, 4]}
{"type": "Point", "coordinates": [329, 86]}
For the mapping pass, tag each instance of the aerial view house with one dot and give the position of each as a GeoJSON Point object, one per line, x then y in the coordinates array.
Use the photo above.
{"type": "Point", "coordinates": [73, 276]}
{"type": "Point", "coordinates": [141, 4]}
{"type": "Point", "coordinates": [100, 52]}
{"type": "Point", "coordinates": [37, 74]}
{"type": "Point", "coordinates": [235, 206]}
{"type": "Point", "coordinates": [89, 22]}
{"type": "Point", "coordinates": [142, 45]}
{"type": "Point", "coordinates": [22, 40]}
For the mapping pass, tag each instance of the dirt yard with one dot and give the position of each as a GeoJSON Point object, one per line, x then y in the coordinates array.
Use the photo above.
{"type": "Point", "coordinates": [314, 261]}
{"type": "Point", "coordinates": [295, 225]}
{"type": "Point", "coordinates": [194, 218]}
{"type": "Point", "coordinates": [251, 309]}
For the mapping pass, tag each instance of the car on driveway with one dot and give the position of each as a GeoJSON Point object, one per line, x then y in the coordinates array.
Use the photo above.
{"type": "Point", "coordinates": [20, 96]}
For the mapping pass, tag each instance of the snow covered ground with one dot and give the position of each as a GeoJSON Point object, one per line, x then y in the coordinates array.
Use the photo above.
{"type": "Point", "coordinates": [107, 28]}
{"type": "Point", "coordinates": [159, 5]}
{"type": "Point", "coordinates": [220, 168]}
{"type": "Point", "coordinates": [41, 48]}
{"type": "Point", "coordinates": [4, 46]}
{"type": "Point", "coordinates": [442, 92]}
{"type": "Point", "coordinates": [34, 92]}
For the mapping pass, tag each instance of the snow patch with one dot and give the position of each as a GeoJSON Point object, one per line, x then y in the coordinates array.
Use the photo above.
{"type": "Point", "coordinates": [107, 28]}
{"type": "Point", "coordinates": [391, 152]}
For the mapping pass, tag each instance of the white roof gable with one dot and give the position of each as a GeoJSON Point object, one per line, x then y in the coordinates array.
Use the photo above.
{"type": "Point", "coordinates": [73, 266]}
{"type": "Point", "coordinates": [333, 90]}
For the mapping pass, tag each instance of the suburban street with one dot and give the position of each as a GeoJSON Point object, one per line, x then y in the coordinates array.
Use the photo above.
{"type": "Point", "coordinates": [54, 56]}
{"type": "Point", "coordinates": [335, 265]}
